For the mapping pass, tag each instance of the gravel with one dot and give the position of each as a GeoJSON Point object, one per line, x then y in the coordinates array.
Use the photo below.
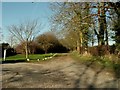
{"type": "Point", "coordinates": [60, 72]}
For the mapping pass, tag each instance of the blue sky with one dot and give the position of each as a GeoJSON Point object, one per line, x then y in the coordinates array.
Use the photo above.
{"type": "Point", "coordinates": [16, 12]}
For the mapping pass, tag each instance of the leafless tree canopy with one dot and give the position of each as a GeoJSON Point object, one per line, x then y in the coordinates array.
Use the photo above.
{"type": "Point", "coordinates": [25, 32]}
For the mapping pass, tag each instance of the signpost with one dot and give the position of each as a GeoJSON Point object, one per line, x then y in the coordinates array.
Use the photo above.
{"type": "Point", "coordinates": [5, 54]}
{"type": "Point", "coordinates": [5, 47]}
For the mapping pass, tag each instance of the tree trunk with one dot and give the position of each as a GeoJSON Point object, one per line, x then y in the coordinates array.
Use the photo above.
{"type": "Point", "coordinates": [81, 42]}
{"type": "Point", "coordinates": [102, 29]}
{"type": "Point", "coordinates": [26, 50]}
{"type": "Point", "coordinates": [78, 46]}
{"type": "Point", "coordinates": [92, 41]}
{"type": "Point", "coordinates": [102, 23]}
{"type": "Point", "coordinates": [107, 37]}
{"type": "Point", "coordinates": [101, 32]}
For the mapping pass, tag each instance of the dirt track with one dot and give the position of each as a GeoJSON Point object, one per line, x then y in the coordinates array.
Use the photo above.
{"type": "Point", "coordinates": [62, 72]}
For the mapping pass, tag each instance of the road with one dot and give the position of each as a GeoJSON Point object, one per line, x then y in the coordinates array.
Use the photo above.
{"type": "Point", "coordinates": [60, 72]}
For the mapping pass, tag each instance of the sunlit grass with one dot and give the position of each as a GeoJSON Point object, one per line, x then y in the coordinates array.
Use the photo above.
{"type": "Point", "coordinates": [31, 56]}
{"type": "Point", "coordinates": [109, 61]}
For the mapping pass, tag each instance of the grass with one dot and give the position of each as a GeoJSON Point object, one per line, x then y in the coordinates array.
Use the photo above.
{"type": "Point", "coordinates": [39, 56]}
{"type": "Point", "coordinates": [31, 57]}
{"type": "Point", "coordinates": [106, 61]}
{"type": "Point", "coordinates": [111, 62]}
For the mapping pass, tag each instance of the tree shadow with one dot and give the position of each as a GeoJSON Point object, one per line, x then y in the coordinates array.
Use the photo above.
{"type": "Point", "coordinates": [57, 73]}
{"type": "Point", "coordinates": [92, 85]}
{"type": "Point", "coordinates": [77, 82]}
{"type": "Point", "coordinates": [12, 78]}
{"type": "Point", "coordinates": [116, 68]}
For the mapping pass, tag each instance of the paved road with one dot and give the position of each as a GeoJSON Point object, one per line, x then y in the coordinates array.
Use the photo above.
{"type": "Point", "coordinates": [61, 72]}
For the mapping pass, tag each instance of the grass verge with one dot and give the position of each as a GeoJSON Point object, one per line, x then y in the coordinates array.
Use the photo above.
{"type": "Point", "coordinates": [32, 57]}
{"type": "Point", "coordinates": [110, 62]}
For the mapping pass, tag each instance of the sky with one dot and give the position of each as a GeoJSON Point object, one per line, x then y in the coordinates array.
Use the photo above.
{"type": "Point", "coordinates": [17, 12]}
{"type": "Point", "coordinates": [60, 0]}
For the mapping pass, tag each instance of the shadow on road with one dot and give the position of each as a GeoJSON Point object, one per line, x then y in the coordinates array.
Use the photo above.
{"type": "Point", "coordinates": [110, 83]}
{"type": "Point", "coordinates": [58, 76]}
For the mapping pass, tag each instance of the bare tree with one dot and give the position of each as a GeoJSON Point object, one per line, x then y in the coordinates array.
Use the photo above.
{"type": "Point", "coordinates": [25, 32]}
{"type": "Point", "coordinates": [12, 40]}
{"type": "Point", "coordinates": [71, 17]}
{"type": "Point", "coordinates": [32, 47]}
